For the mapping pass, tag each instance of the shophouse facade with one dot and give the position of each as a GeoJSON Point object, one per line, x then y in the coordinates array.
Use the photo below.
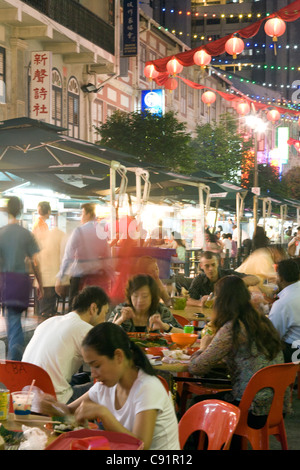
{"type": "Point", "coordinates": [82, 39]}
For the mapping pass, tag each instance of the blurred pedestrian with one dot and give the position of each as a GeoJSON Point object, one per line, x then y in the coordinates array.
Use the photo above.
{"type": "Point", "coordinates": [18, 253]}
{"type": "Point", "coordinates": [51, 243]}
{"type": "Point", "coordinates": [40, 226]}
{"type": "Point", "coordinates": [87, 257]}
{"type": "Point", "coordinates": [260, 239]}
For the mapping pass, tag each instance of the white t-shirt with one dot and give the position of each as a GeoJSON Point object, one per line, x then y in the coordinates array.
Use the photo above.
{"type": "Point", "coordinates": [147, 393]}
{"type": "Point", "coordinates": [285, 313]}
{"type": "Point", "coordinates": [56, 347]}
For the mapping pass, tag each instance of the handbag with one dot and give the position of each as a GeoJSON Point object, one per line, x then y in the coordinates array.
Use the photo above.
{"type": "Point", "coordinates": [15, 289]}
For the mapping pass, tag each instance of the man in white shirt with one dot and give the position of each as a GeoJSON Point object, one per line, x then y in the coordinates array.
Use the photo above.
{"type": "Point", "coordinates": [56, 343]}
{"type": "Point", "coordinates": [285, 312]}
{"type": "Point", "coordinates": [87, 257]}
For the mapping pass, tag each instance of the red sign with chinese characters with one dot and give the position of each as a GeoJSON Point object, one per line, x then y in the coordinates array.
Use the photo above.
{"type": "Point", "coordinates": [41, 85]}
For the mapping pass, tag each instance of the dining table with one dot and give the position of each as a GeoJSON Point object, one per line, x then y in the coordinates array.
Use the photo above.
{"type": "Point", "coordinates": [49, 439]}
{"type": "Point", "coordinates": [193, 313]}
{"type": "Point", "coordinates": [43, 423]}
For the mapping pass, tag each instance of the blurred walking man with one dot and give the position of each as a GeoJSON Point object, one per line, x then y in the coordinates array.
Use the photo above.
{"type": "Point", "coordinates": [87, 256]}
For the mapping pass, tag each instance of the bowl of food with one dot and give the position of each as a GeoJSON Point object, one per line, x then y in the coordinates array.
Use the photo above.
{"type": "Point", "coordinates": [184, 339]}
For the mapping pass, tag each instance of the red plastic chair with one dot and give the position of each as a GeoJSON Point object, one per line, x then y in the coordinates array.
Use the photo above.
{"type": "Point", "coordinates": [215, 419]}
{"type": "Point", "coordinates": [165, 383]}
{"type": "Point", "coordinates": [17, 375]}
{"type": "Point", "coordinates": [277, 377]}
{"type": "Point", "coordinates": [197, 388]}
{"type": "Point", "coordinates": [181, 320]}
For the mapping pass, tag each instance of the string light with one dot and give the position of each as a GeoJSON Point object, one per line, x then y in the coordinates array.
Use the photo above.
{"type": "Point", "coordinates": [196, 14]}
{"type": "Point", "coordinates": [226, 63]}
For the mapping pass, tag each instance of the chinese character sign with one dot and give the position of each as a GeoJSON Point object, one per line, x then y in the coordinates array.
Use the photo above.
{"type": "Point", "coordinates": [130, 28]}
{"type": "Point", "coordinates": [41, 85]}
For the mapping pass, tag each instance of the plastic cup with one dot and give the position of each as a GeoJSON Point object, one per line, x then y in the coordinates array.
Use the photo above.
{"type": "Point", "coordinates": [188, 329]}
{"type": "Point", "coordinates": [4, 403]}
{"type": "Point", "coordinates": [22, 402]}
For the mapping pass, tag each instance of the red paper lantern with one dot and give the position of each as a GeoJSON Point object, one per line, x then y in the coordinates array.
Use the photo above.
{"type": "Point", "coordinates": [243, 108]}
{"type": "Point", "coordinates": [171, 84]}
{"type": "Point", "coordinates": [273, 115]}
{"type": "Point", "coordinates": [234, 46]}
{"type": "Point", "coordinates": [150, 71]}
{"type": "Point", "coordinates": [174, 67]}
{"type": "Point", "coordinates": [275, 27]}
{"type": "Point", "coordinates": [209, 97]}
{"type": "Point", "coordinates": [202, 58]}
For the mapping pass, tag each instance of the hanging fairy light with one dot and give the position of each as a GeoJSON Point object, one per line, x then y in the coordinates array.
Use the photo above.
{"type": "Point", "coordinates": [202, 58]}
{"type": "Point", "coordinates": [274, 28]}
{"type": "Point", "coordinates": [174, 67]}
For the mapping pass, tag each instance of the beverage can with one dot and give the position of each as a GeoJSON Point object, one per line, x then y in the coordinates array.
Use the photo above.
{"type": "Point", "coordinates": [188, 329]}
{"type": "Point", "coordinates": [4, 403]}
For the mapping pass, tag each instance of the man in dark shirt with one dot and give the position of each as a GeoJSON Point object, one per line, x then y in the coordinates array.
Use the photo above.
{"type": "Point", "coordinates": [203, 284]}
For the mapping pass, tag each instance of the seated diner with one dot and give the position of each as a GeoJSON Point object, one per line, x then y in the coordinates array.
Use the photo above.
{"type": "Point", "coordinates": [127, 396]}
{"type": "Point", "coordinates": [143, 312]}
{"type": "Point", "coordinates": [244, 340]}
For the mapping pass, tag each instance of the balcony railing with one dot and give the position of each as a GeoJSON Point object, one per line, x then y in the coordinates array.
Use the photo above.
{"type": "Point", "coordinates": [78, 19]}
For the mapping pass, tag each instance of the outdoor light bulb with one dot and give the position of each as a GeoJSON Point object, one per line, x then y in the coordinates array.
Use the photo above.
{"type": "Point", "coordinates": [251, 121]}
{"type": "Point", "coordinates": [256, 124]}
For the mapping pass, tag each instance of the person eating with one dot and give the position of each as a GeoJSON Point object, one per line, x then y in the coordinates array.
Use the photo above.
{"type": "Point", "coordinates": [127, 396]}
{"type": "Point", "coordinates": [143, 311]}
{"type": "Point", "coordinates": [203, 284]}
{"type": "Point", "coordinates": [244, 340]}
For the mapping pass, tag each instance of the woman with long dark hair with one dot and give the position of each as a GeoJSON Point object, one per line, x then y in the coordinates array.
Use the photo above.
{"type": "Point", "coordinates": [244, 340]}
{"type": "Point", "coordinates": [127, 396]}
{"type": "Point", "coordinates": [143, 311]}
{"type": "Point", "coordinates": [260, 239]}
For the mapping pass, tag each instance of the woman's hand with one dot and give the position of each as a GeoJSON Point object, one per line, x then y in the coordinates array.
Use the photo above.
{"type": "Point", "coordinates": [49, 406]}
{"type": "Point", "coordinates": [126, 314]}
{"type": "Point", "coordinates": [155, 322]}
{"type": "Point", "coordinates": [89, 410]}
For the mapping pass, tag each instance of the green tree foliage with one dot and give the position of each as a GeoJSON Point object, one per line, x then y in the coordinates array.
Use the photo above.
{"type": "Point", "coordinates": [220, 148]}
{"type": "Point", "coordinates": [291, 182]}
{"type": "Point", "coordinates": [268, 177]}
{"type": "Point", "coordinates": [161, 140]}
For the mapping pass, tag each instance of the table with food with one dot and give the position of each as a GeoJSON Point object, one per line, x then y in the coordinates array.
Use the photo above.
{"type": "Point", "coordinates": [36, 432]}
{"type": "Point", "coordinates": [168, 353]}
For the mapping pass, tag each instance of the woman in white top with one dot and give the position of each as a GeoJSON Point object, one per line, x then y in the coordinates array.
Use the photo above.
{"type": "Point", "coordinates": [127, 396]}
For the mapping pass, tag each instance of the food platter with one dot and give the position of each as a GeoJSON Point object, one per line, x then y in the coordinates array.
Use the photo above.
{"type": "Point", "coordinates": [148, 340]}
